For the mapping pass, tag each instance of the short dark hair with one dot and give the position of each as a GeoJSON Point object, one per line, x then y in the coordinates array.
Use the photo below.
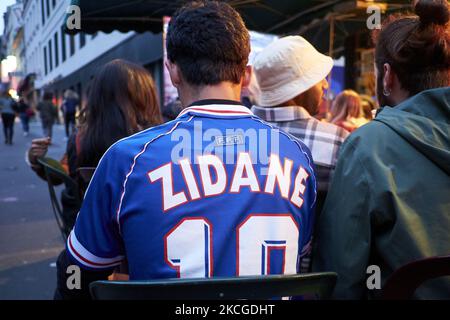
{"type": "Point", "coordinates": [209, 42]}
{"type": "Point", "coordinates": [417, 47]}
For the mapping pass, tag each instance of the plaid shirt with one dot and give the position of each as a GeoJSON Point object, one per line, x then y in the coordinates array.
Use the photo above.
{"type": "Point", "coordinates": [323, 139]}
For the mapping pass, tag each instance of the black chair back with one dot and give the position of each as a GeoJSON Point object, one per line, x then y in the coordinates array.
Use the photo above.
{"type": "Point", "coordinates": [402, 284]}
{"type": "Point", "coordinates": [84, 178]}
{"type": "Point", "coordinates": [319, 285]}
{"type": "Point", "coordinates": [86, 173]}
{"type": "Point", "coordinates": [55, 175]}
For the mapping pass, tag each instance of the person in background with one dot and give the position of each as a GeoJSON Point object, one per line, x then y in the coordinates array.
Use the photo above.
{"type": "Point", "coordinates": [250, 92]}
{"type": "Point", "coordinates": [69, 109]}
{"type": "Point", "coordinates": [291, 75]}
{"type": "Point", "coordinates": [114, 110]}
{"type": "Point", "coordinates": [346, 111]}
{"type": "Point", "coordinates": [8, 110]}
{"type": "Point", "coordinates": [369, 107]}
{"type": "Point", "coordinates": [24, 114]}
{"type": "Point", "coordinates": [48, 113]}
{"type": "Point", "coordinates": [388, 204]}
{"type": "Point", "coordinates": [172, 110]}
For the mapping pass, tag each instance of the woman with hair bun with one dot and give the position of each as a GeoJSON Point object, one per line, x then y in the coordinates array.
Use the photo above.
{"type": "Point", "coordinates": [388, 204]}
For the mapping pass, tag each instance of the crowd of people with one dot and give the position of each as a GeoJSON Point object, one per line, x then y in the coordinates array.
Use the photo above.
{"type": "Point", "coordinates": [49, 113]}
{"type": "Point", "coordinates": [363, 186]}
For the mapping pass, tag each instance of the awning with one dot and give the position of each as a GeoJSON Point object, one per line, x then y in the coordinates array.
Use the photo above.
{"type": "Point", "coordinates": [271, 16]}
{"type": "Point", "coordinates": [310, 18]}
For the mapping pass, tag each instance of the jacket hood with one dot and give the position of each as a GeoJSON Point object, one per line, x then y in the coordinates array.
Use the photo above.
{"type": "Point", "coordinates": [424, 122]}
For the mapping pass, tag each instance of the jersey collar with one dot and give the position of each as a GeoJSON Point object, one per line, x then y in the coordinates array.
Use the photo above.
{"type": "Point", "coordinates": [215, 107]}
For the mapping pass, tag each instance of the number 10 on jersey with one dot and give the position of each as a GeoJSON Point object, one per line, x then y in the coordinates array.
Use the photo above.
{"type": "Point", "coordinates": [259, 239]}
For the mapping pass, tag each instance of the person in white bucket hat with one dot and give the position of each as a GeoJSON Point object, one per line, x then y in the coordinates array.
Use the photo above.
{"type": "Point", "coordinates": [291, 75]}
{"type": "Point", "coordinates": [289, 67]}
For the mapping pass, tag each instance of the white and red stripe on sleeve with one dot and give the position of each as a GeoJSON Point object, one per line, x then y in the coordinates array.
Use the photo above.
{"type": "Point", "coordinates": [86, 258]}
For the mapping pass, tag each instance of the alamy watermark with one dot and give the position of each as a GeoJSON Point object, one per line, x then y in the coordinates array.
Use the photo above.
{"type": "Point", "coordinates": [73, 281]}
{"type": "Point", "coordinates": [73, 21]}
{"type": "Point", "coordinates": [226, 144]}
{"type": "Point", "coordinates": [374, 279]}
{"type": "Point", "coordinates": [374, 19]}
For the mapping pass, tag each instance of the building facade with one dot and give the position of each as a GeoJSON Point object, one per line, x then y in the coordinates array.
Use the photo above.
{"type": "Point", "coordinates": [61, 61]}
{"type": "Point", "coordinates": [12, 45]}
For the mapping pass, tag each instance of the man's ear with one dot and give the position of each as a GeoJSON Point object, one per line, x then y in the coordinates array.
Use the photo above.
{"type": "Point", "coordinates": [247, 76]}
{"type": "Point", "coordinates": [174, 73]}
{"type": "Point", "coordinates": [388, 79]}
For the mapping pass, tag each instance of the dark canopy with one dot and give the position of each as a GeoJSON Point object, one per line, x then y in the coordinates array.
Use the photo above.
{"type": "Point", "coordinates": [310, 18]}
{"type": "Point", "coordinates": [274, 16]}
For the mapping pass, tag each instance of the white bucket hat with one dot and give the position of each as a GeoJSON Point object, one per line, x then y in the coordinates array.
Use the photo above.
{"type": "Point", "coordinates": [288, 67]}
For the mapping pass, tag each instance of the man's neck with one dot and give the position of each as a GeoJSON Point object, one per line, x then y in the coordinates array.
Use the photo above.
{"type": "Point", "coordinates": [221, 91]}
{"type": "Point", "coordinates": [296, 105]}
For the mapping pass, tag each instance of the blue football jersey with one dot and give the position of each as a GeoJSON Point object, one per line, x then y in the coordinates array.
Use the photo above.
{"type": "Point", "coordinates": [215, 192]}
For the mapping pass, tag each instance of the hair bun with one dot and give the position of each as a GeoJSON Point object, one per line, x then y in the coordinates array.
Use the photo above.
{"type": "Point", "coordinates": [432, 11]}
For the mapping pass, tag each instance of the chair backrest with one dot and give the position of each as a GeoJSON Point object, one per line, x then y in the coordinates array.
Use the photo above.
{"type": "Point", "coordinates": [320, 285]}
{"type": "Point", "coordinates": [55, 175]}
{"type": "Point", "coordinates": [86, 173]}
{"type": "Point", "coordinates": [402, 284]}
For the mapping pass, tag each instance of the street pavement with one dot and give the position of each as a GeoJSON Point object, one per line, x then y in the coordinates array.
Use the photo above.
{"type": "Point", "coordinates": [30, 239]}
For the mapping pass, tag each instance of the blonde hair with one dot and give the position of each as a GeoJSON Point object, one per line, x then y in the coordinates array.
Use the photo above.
{"type": "Point", "coordinates": [347, 104]}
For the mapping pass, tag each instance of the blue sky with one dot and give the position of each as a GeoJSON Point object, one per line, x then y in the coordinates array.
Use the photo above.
{"type": "Point", "coordinates": [3, 5]}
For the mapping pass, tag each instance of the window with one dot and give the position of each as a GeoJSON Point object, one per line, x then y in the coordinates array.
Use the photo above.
{"type": "Point", "coordinates": [72, 44]}
{"type": "Point", "coordinates": [48, 8]}
{"type": "Point", "coordinates": [43, 11]}
{"type": "Point", "coordinates": [82, 39]}
{"type": "Point", "coordinates": [55, 40]}
{"type": "Point", "coordinates": [50, 55]}
{"type": "Point", "coordinates": [63, 44]}
{"type": "Point", "coordinates": [45, 61]}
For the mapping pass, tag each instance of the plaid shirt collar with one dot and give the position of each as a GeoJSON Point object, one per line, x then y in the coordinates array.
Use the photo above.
{"type": "Point", "coordinates": [281, 114]}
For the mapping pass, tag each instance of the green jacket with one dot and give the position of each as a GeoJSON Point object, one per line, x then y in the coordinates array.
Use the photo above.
{"type": "Point", "coordinates": [389, 201]}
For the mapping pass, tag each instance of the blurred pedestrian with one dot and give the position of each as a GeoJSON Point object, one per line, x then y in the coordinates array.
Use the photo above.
{"type": "Point", "coordinates": [346, 111]}
{"type": "Point", "coordinates": [48, 113]}
{"type": "Point", "coordinates": [69, 109]}
{"type": "Point", "coordinates": [24, 114]}
{"type": "Point", "coordinates": [8, 110]}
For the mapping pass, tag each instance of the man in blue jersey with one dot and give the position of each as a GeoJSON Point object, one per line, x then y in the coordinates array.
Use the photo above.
{"type": "Point", "coordinates": [215, 192]}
